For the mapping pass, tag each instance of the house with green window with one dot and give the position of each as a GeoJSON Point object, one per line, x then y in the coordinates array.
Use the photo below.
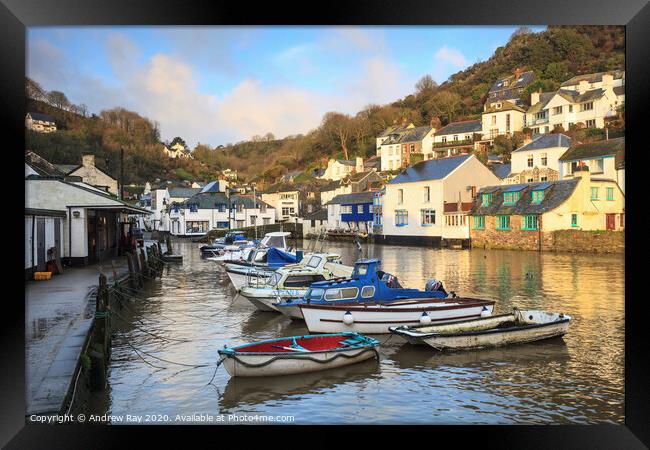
{"type": "Point", "coordinates": [526, 216]}
{"type": "Point", "coordinates": [605, 159]}
{"type": "Point", "coordinates": [427, 203]}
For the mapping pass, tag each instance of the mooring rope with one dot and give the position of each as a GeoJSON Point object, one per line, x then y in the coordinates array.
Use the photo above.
{"type": "Point", "coordinates": [166, 360]}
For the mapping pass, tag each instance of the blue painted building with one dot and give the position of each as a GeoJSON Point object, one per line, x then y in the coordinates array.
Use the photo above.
{"type": "Point", "coordinates": [351, 211]}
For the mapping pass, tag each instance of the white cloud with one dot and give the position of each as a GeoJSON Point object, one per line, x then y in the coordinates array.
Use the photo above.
{"type": "Point", "coordinates": [451, 56]}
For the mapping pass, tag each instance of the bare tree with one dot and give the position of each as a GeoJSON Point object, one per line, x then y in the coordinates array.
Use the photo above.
{"type": "Point", "coordinates": [338, 126]}
{"type": "Point", "coordinates": [444, 104]}
{"type": "Point", "coordinates": [425, 84]}
{"type": "Point", "coordinates": [33, 90]}
{"type": "Point", "coordinates": [58, 100]}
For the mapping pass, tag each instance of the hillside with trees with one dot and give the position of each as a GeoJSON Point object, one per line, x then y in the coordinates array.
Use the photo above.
{"type": "Point", "coordinates": [555, 55]}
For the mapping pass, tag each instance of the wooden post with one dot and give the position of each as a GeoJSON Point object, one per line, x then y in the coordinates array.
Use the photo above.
{"type": "Point", "coordinates": [99, 357]}
{"type": "Point", "coordinates": [144, 268]}
{"type": "Point", "coordinates": [132, 275]}
{"type": "Point", "coordinates": [168, 240]}
{"type": "Point", "coordinates": [159, 247]}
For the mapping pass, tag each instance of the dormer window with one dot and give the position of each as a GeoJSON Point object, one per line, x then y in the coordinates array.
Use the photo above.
{"type": "Point", "coordinates": [486, 199]}
{"type": "Point", "coordinates": [510, 198]}
{"type": "Point", "coordinates": [537, 196]}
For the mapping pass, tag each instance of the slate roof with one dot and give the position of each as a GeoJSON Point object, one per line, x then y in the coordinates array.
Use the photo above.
{"type": "Point", "coordinates": [505, 106]}
{"type": "Point", "coordinates": [281, 187]}
{"type": "Point", "coordinates": [544, 98]}
{"type": "Point", "coordinates": [466, 126]}
{"type": "Point", "coordinates": [526, 78]}
{"type": "Point", "coordinates": [41, 165]}
{"type": "Point", "coordinates": [177, 192]}
{"type": "Point", "coordinates": [332, 185]}
{"type": "Point", "coordinates": [374, 162]}
{"type": "Point", "coordinates": [433, 169]}
{"type": "Point", "coordinates": [352, 199]}
{"type": "Point", "coordinates": [42, 117]}
{"type": "Point", "coordinates": [66, 168]}
{"type": "Point", "coordinates": [391, 130]}
{"type": "Point", "coordinates": [347, 162]}
{"type": "Point", "coordinates": [594, 149]}
{"type": "Point", "coordinates": [407, 135]}
{"type": "Point", "coordinates": [210, 200]}
{"type": "Point", "coordinates": [321, 214]}
{"type": "Point", "coordinates": [548, 140]}
{"type": "Point", "coordinates": [577, 97]}
{"type": "Point", "coordinates": [592, 77]}
{"type": "Point", "coordinates": [555, 194]}
{"type": "Point", "coordinates": [619, 90]}
{"type": "Point", "coordinates": [501, 170]}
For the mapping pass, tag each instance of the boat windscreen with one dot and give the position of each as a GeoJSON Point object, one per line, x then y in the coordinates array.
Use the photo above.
{"type": "Point", "coordinates": [275, 241]}
{"type": "Point", "coordinates": [314, 261]}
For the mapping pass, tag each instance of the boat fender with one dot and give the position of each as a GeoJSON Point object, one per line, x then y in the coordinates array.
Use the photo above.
{"type": "Point", "coordinates": [425, 319]}
{"type": "Point", "coordinates": [347, 318]}
{"type": "Point", "coordinates": [485, 312]}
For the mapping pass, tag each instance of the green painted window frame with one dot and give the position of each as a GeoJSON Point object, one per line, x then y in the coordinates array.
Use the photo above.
{"type": "Point", "coordinates": [574, 223]}
{"type": "Point", "coordinates": [511, 198]}
{"type": "Point", "coordinates": [594, 193]}
{"type": "Point", "coordinates": [610, 193]}
{"type": "Point", "coordinates": [479, 222]}
{"type": "Point", "coordinates": [529, 222]}
{"type": "Point", "coordinates": [505, 220]}
{"type": "Point", "coordinates": [537, 196]}
{"type": "Point", "coordinates": [486, 199]}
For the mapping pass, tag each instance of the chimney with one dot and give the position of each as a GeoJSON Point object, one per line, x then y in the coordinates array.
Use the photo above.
{"type": "Point", "coordinates": [88, 160]}
{"type": "Point", "coordinates": [359, 165]}
{"type": "Point", "coordinates": [534, 97]}
{"type": "Point", "coordinates": [583, 86]}
{"type": "Point", "coordinates": [608, 80]}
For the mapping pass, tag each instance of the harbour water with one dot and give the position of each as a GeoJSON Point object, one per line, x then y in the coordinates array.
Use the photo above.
{"type": "Point", "coordinates": [191, 312]}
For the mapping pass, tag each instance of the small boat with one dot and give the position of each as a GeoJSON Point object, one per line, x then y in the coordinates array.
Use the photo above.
{"type": "Point", "coordinates": [231, 238]}
{"type": "Point", "coordinates": [292, 281]}
{"type": "Point", "coordinates": [264, 262]}
{"type": "Point", "coordinates": [367, 286]}
{"type": "Point", "coordinates": [298, 354]}
{"type": "Point", "coordinates": [521, 326]}
{"type": "Point", "coordinates": [239, 254]}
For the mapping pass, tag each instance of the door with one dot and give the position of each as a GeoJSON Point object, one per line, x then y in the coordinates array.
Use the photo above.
{"type": "Point", "coordinates": [610, 221]}
{"type": "Point", "coordinates": [40, 245]}
{"type": "Point", "coordinates": [57, 237]}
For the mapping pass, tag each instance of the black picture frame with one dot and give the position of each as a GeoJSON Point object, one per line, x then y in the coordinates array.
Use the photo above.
{"type": "Point", "coordinates": [16, 15]}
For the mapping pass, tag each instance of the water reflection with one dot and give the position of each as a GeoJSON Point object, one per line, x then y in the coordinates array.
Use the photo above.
{"type": "Point", "coordinates": [578, 379]}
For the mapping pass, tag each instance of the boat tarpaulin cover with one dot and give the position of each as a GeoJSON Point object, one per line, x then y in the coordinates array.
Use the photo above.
{"type": "Point", "coordinates": [275, 256]}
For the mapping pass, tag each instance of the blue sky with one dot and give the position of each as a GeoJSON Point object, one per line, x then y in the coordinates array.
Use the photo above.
{"type": "Point", "coordinates": [217, 85]}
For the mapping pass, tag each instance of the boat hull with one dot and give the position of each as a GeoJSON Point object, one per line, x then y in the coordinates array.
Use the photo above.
{"type": "Point", "coordinates": [525, 326]}
{"type": "Point", "coordinates": [287, 364]}
{"type": "Point", "coordinates": [292, 312]}
{"type": "Point", "coordinates": [240, 278]}
{"type": "Point", "coordinates": [265, 299]}
{"type": "Point", "coordinates": [378, 319]}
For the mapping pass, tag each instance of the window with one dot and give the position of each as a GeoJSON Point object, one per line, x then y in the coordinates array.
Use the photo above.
{"type": "Point", "coordinates": [444, 139]}
{"type": "Point", "coordinates": [510, 198]}
{"type": "Point", "coordinates": [412, 148]}
{"type": "Point", "coordinates": [530, 161]}
{"type": "Point", "coordinates": [196, 227]}
{"type": "Point", "coordinates": [587, 106]}
{"type": "Point", "coordinates": [543, 179]}
{"type": "Point", "coordinates": [536, 130]}
{"type": "Point", "coordinates": [503, 222]}
{"type": "Point", "coordinates": [507, 123]}
{"type": "Point", "coordinates": [239, 207]}
{"type": "Point", "coordinates": [401, 217]}
{"type": "Point", "coordinates": [302, 280]}
{"type": "Point", "coordinates": [455, 137]}
{"type": "Point", "coordinates": [367, 291]}
{"type": "Point", "coordinates": [574, 220]}
{"type": "Point", "coordinates": [427, 194]}
{"type": "Point", "coordinates": [479, 222]}
{"type": "Point", "coordinates": [570, 108]}
{"type": "Point", "coordinates": [341, 294]}
{"type": "Point", "coordinates": [544, 159]}
{"type": "Point", "coordinates": [262, 208]}
{"type": "Point", "coordinates": [610, 193]}
{"type": "Point", "coordinates": [597, 166]}
{"type": "Point", "coordinates": [537, 197]}
{"type": "Point", "coordinates": [253, 220]}
{"type": "Point", "coordinates": [557, 110]}
{"type": "Point", "coordinates": [591, 123]}
{"type": "Point", "coordinates": [266, 221]}
{"type": "Point", "coordinates": [494, 120]}
{"type": "Point", "coordinates": [346, 209]}
{"type": "Point", "coordinates": [529, 222]}
{"type": "Point", "coordinates": [529, 180]}
{"type": "Point", "coordinates": [428, 217]}
{"type": "Point", "coordinates": [222, 224]}
{"type": "Point", "coordinates": [400, 196]}
{"type": "Point", "coordinates": [221, 207]}
{"type": "Point", "coordinates": [486, 199]}
{"type": "Point", "coordinates": [240, 224]}
{"type": "Point", "coordinates": [594, 193]}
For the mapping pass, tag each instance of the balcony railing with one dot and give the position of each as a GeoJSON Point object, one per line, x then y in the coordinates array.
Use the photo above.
{"type": "Point", "coordinates": [453, 143]}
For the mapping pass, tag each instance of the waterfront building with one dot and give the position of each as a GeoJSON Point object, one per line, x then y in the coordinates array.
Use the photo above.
{"type": "Point", "coordinates": [511, 87]}
{"type": "Point", "coordinates": [351, 211]}
{"type": "Point", "coordinates": [529, 216]}
{"type": "Point", "coordinates": [586, 99]}
{"type": "Point", "coordinates": [212, 209]}
{"type": "Point", "coordinates": [538, 160]}
{"type": "Point", "coordinates": [605, 159]}
{"type": "Point", "coordinates": [284, 198]}
{"type": "Point", "coordinates": [406, 146]}
{"type": "Point", "coordinates": [42, 123]}
{"type": "Point", "coordinates": [315, 223]}
{"type": "Point", "coordinates": [456, 138]}
{"type": "Point", "coordinates": [377, 211]}
{"type": "Point", "coordinates": [427, 203]}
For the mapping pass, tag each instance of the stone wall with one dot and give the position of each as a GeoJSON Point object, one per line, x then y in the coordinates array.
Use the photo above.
{"type": "Point", "coordinates": [513, 239]}
{"type": "Point", "coordinates": [601, 241]}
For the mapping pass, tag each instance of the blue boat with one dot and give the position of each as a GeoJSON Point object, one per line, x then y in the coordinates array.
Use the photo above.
{"type": "Point", "coordinates": [298, 354]}
{"type": "Point", "coordinates": [368, 285]}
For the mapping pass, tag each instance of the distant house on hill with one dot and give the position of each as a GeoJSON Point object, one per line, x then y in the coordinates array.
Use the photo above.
{"type": "Point", "coordinates": [339, 168]}
{"type": "Point", "coordinates": [177, 151]}
{"type": "Point", "coordinates": [400, 146]}
{"type": "Point", "coordinates": [42, 123]}
{"type": "Point", "coordinates": [511, 87]}
{"type": "Point", "coordinates": [456, 138]}
{"type": "Point", "coordinates": [537, 161]}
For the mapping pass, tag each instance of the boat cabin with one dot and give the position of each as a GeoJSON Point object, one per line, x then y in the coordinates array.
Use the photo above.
{"type": "Point", "coordinates": [276, 239]}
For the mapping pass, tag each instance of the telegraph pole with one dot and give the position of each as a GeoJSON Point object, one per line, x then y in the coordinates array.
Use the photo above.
{"type": "Point", "coordinates": [121, 173]}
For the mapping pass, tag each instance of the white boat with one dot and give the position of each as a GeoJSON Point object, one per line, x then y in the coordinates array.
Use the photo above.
{"type": "Point", "coordinates": [378, 318]}
{"type": "Point", "coordinates": [238, 254]}
{"type": "Point", "coordinates": [521, 326]}
{"type": "Point", "coordinates": [292, 281]}
{"type": "Point", "coordinates": [298, 354]}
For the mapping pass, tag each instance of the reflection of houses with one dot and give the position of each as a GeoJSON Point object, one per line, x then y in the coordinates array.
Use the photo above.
{"type": "Point", "coordinates": [511, 87]}
{"type": "Point", "coordinates": [456, 138]}
{"type": "Point", "coordinates": [427, 202]}
{"type": "Point", "coordinates": [85, 224]}
{"type": "Point", "coordinates": [211, 209]}
{"type": "Point", "coordinates": [523, 216]}
{"type": "Point", "coordinates": [586, 99]}
{"type": "Point", "coordinates": [406, 146]}
{"type": "Point", "coordinates": [42, 123]}
{"type": "Point", "coordinates": [603, 158]}
{"type": "Point", "coordinates": [351, 211]}
{"type": "Point", "coordinates": [538, 160]}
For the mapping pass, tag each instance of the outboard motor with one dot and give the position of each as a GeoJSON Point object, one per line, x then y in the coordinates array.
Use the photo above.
{"type": "Point", "coordinates": [435, 285]}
